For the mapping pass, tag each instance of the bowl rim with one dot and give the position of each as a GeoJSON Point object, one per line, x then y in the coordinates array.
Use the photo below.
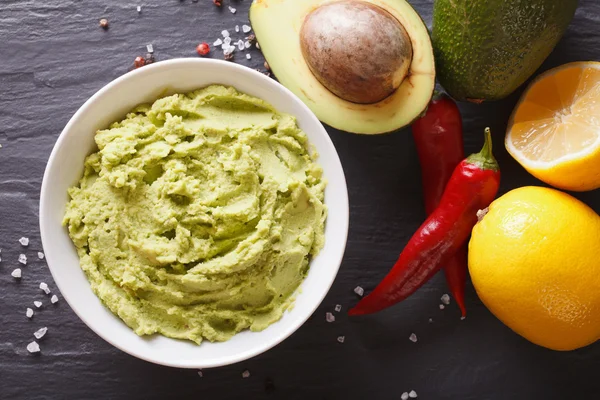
{"type": "Point", "coordinates": [265, 345]}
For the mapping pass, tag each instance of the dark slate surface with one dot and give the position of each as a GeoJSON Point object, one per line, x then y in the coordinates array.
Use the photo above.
{"type": "Point", "coordinates": [53, 56]}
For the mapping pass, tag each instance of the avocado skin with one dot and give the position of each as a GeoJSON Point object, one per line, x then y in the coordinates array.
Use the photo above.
{"type": "Point", "coordinates": [485, 49]}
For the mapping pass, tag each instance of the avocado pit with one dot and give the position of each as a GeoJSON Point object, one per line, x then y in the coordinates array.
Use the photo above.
{"type": "Point", "coordinates": [357, 50]}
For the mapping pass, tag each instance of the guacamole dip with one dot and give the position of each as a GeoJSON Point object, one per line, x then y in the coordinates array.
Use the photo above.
{"type": "Point", "coordinates": [199, 214]}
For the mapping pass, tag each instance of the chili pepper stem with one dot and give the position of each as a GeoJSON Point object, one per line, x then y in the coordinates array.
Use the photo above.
{"type": "Point", "coordinates": [485, 158]}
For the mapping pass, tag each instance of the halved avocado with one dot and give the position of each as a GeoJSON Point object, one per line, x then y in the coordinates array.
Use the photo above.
{"type": "Point", "coordinates": [377, 81]}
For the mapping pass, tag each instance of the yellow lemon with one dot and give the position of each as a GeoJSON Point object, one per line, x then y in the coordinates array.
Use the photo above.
{"type": "Point", "coordinates": [534, 259]}
{"type": "Point", "coordinates": [554, 132]}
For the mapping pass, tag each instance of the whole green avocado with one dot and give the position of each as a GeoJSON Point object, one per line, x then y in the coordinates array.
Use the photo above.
{"type": "Point", "coordinates": [485, 49]}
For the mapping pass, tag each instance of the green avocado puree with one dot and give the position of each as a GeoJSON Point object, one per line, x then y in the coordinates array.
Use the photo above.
{"type": "Point", "coordinates": [198, 215]}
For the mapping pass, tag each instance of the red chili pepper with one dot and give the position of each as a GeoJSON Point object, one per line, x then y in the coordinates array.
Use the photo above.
{"type": "Point", "coordinates": [472, 187]}
{"type": "Point", "coordinates": [439, 140]}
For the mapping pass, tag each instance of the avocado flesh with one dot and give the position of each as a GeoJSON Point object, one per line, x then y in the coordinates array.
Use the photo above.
{"type": "Point", "coordinates": [277, 25]}
{"type": "Point", "coordinates": [498, 47]}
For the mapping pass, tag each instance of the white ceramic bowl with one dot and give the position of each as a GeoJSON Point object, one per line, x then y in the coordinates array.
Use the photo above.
{"type": "Point", "coordinates": [65, 168]}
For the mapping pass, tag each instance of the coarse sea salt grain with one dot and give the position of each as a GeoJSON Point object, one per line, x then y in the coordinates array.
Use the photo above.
{"type": "Point", "coordinates": [139, 9]}
{"type": "Point", "coordinates": [41, 255]}
{"type": "Point", "coordinates": [24, 241]}
{"type": "Point", "coordinates": [37, 304]}
{"type": "Point", "coordinates": [246, 28]}
{"type": "Point", "coordinates": [404, 396]}
{"type": "Point", "coordinates": [359, 291]}
{"type": "Point", "coordinates": [23, 259]}
{"type": "Point", "coordinates": [40, 333]}
{"type": "Point", "coordinates": [329, 317]}
{"type": "Point", "coordinates": [247, 44]}
{"type": "Point", "coordinates": [240, 44]}
{"type": "Point", "coordinates": [200, 374]}
{"type": "Point", "coordinates": [29, 312]}
{"type": "Point", "coordinates": [232, 10]}
{"type": "Point", "coordinates": [150, 48]}
{"type": "Point", "coordinates": [338, 307]}
{"type": "Point", "coordinates": [248, 56]}
{"type": "Point", "coordinates": [44, 287]}
{"type": "Point", "coordinates": [237, 28]}
{"type": "Point", "coordinates": [225, 33]}
{"type": "Point", "coordinates": [341, 339]}
{"type": "Point", "coordinates": [54, 299]}
{"type": "Point", "coordinates": [430, 320]}
{"type": "Point", "coordinates": [227, 41]}
{"type": "Point", "coordinates": [412, 394]}
{"type": "Point", "coordinates": [463, 318]}
{"type": "Point", "coordinates": [442, 306]}
{"type": "Point", "coordinates": [246, 374]}
{"type": "Point", "coordinates": [218, 42]}
{"type": "Point", "coordinates": [33, 347]}
{"type": "Point", "coordinates": [16, 273]}
{"type": "Point", "coordinates": [445, 299]}
{"type": "Point", "coordinates": [413, 338]}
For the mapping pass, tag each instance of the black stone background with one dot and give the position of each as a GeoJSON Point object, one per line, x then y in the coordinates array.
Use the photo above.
{"type": "Point", "coordinates": [54, 56]}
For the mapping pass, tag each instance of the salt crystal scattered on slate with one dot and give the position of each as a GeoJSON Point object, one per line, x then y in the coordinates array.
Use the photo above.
{"type": "Point", "coordinates": [218, 42]}
{"type": "Point", "coordinates": [442, 306]}
{"type": "Point", "coordinates": [16, 273]}
{"type": "Point", "coordinates": [246, 28]}
{"type": "Point", "coordinates": [341, 339]}
{"type": "Point", "coordinates": [150, 48]}
{"type": "Point", "coordinates": [200, 374]}
{"type": "Point", "coordinates": [359, 291]}
{"type": "Point", "coordinates": [329, 317]}
{"type": "Point", "coordinates": [225, 33]}
{"type": "Point", "coordinates": [33, 347]}
{"type": "Point", "coordinates": [404, 396]}
{"type": "Point", "coordinates": [412, 394]}
{"type": "Point", "coordinates": [247, 44]}
{"type": "Point", "coordinates": [54, 299]}
{"type": "Point", "coordinates": [40, 333]}
{"type": "Point", "coordinates": [23, 259]}
{"type": "Point", "coordinates": [139, 9]}
{"type": "Point", "coordinates": [237, 28]}
{"type": "Point", "coordinates": [463, 318]}
{"type": "Point", "coordinates": [41, 255]}
{"type": "Point", "coordinates": [232, 10]}
{"type": "Point", "coordinates": [445, 299]}
{"type": "Point", "coordinates": [338, 307]}
{"type": "Point", "coordinates": [246, 374]}
{"type": "Point", "coordinates": [24, 241]}
{"type": "Point", "coordinates": [227, 41]}
{"type": "Point", "coordinates": [44, 287]}
{"type": "Point", "coordinates": [430, 320]}
{"type": "Point", "coordinates": [29, 312]}
{"type": "Point", "coordinates": [413, 338]}
{"type": "Point", "coordinates": [248, 56]}
{"type": "Point", "coordinates": [38, 304]}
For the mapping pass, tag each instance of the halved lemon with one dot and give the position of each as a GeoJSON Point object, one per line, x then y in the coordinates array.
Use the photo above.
{"type": "Point", "coordinates": [554, 131]}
